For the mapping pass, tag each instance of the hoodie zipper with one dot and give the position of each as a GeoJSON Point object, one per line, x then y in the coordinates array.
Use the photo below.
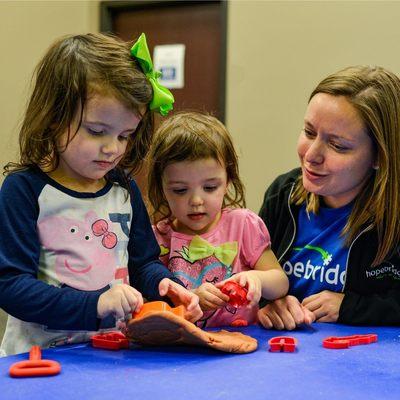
{"type": "Point", "coordinates": [294, 223]}
{"type": "Point", "coordinates": [348, 254]}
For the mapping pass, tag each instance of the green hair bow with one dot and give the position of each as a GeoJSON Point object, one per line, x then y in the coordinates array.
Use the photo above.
{"type": "Point", "coordinates": [162, 98]}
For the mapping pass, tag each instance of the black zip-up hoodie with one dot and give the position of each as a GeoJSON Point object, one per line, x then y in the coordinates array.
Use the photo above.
{"type": "Point", "coordinates": [371, 294]}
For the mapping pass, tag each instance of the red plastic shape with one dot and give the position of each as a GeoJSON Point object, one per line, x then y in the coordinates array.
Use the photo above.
{"type": "Point", "coordinates": [344, 342]}
{"type": "Point", "coordinates": [239, 322]}
{"type": "Point", "coordinates": [237, 294]}
{"type": "Point", "coordinates": [110, 341]}
{"type": "Point", "coordinates": [286, 344]}
{"type": "Point", "coordinates": [35, 366]}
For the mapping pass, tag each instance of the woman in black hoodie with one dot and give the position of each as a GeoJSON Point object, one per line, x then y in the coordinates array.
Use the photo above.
{"type": "Point", "coordinates": [335, 221]}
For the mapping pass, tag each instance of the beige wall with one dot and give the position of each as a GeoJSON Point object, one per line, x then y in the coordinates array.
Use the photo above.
{"type": "Point", "coordinates": [27, 28]}
{"type": "Point", "coordinates": [277, 52]}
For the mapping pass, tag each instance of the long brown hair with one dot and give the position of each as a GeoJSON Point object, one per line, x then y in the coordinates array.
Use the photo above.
{"type": "Point", "coordinates": [74, 67]}
{"type": "Point", "coordinates": [375, 93]}
{"type": "Point", "coordinates": [191, 136]}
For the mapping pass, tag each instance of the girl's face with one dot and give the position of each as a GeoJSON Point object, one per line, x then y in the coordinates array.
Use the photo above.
{"type": "Point", "coordinates": [336, 153]}
{"type": "Point", "coordinates": [99, 144]}
{"type": "Point", "coordinates": [195, 192]}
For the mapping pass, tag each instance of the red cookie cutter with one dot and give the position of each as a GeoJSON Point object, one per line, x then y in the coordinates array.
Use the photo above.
{"type": "Point", "coordinates": [110, 341]}
{"type": "Point", "coordinates": [35, 366]}
{"type": "Point", "coordinates": [239, 322]}
{"type": "Point", "coordinates": [285, 344]}
{"type": "Point", "coordinates": [237, 294]}
{"type": "Point", "coordinates": [344, 342]}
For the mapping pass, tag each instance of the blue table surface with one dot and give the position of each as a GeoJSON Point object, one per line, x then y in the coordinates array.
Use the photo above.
{"type": "Point", "coordinates": [312, 372]}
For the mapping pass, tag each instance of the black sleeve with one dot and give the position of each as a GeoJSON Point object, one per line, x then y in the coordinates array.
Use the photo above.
{"type": "Point", "coordinates": [374, 309]}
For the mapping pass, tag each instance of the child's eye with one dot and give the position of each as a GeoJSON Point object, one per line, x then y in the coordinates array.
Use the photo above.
{"type": "Point", "coordinates": [123, 138]}
{"type": "Point", "coordinates": [179, 191]}
{"type": "Point", "coordinates": [95, 132]}
{"type": "Point", "coordinates": [210, 188]}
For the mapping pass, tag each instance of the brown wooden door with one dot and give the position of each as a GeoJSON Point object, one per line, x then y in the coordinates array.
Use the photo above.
{"type": "Point", "coordinates": [200, 26]}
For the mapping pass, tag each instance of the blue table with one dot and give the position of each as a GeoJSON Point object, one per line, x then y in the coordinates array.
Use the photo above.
{"type": "Point", "coordinates": [312, 372]}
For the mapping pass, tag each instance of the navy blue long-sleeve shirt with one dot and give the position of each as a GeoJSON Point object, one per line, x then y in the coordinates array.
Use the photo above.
{"type": "Point", "coordinates": [61, 249]}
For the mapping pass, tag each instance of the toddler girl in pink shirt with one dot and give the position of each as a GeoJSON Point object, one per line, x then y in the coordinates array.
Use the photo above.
{"type": "Point", "coordinates": [205, 235]}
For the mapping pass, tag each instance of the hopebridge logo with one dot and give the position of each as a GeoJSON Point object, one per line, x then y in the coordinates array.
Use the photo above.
{"type": "Point", "coordinates": [384, 270]}
{"type": "Point", "coordinates": [312, 272]}
{"type": "Point", "coordinates": [318, 269]}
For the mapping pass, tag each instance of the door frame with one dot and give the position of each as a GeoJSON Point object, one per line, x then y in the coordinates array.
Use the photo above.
{"type": "Point", "coordinates": [108, 8]}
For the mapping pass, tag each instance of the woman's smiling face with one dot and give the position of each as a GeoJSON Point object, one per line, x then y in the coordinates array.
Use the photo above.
{"type": "Point", "coordinates": [336, 153]}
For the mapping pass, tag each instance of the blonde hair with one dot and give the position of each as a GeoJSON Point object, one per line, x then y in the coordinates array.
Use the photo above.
{"type": "Point", "coordinates": [72, 69]}
{"type": "Point", "coordinates": [375, 93]}
{"type": "Point", "coordinates": [190, 136]}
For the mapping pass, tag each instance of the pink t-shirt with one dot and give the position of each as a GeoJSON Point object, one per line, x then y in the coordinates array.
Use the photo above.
{"type": "Point", "coordinates": [238, 228]}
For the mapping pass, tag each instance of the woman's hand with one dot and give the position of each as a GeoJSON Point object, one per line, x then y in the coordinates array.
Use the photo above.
{"type": "Point", "coordinates": [210, 297]}
{"type": "Point", "coordinates": [181, 296]}
{"type": "Point", "coordinates": [119, 301]}
{"type": "Point", "coordinates": [325, 305]}
{"type": "Point", "coordinates": [285, 313]}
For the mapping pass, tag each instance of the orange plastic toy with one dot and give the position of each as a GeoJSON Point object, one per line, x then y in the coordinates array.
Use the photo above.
{"type": "Point", "coordinates": [35, 366]}
{"type": "Point", "coordinates": [159, 306]}
{"type": "Point", "coordinates": [110, 341]}
{"type": "Point", "coordinates": [158, 324]}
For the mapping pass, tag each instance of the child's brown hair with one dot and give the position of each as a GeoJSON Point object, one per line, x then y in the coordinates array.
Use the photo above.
{"type": "Point", "coordinates": [73, 68]}
{"type": "Point", "coordinates": [191, 136]}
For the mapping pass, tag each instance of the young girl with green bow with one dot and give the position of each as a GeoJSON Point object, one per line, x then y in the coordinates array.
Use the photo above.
{"type": "Point", "coordinates": [205, 236]}
{"type": "Point", "coordinates": [72, 259]}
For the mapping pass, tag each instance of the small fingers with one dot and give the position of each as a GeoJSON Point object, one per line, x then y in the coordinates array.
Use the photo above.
{"type": "Point", "coordinates": [194, 315]}
{"type": "Point", "coordinates": [135, 300]}
{"type": "Point", "coordinates": [194, 301]}
{"type": "Point", "coordinates": [213, 300]}
{"type": "Point", "coordinates": [214, 294]}
{"type": "Point", "coordinates": [164, 286]}
{"type": "Point", "coordinates": [220, 298]}
{"type": "Point", "coordinates": [243, 281]}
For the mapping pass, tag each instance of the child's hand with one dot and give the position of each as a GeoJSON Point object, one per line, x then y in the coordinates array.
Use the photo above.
{"type": "Point", "coordinates": [251, 281]}
{"type": "Point", "coordinates": [119, 301]}
{"type": "Point", "coordinates": [210, 297]}
{"type": "Point", "coordinates": [181, 296]}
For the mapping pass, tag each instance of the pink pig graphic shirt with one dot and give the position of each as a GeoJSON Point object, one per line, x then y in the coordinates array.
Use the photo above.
{"type": "Point", "coordinates": [61, 249]}
{"type": "Point", "coordinates": [233, 246]}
